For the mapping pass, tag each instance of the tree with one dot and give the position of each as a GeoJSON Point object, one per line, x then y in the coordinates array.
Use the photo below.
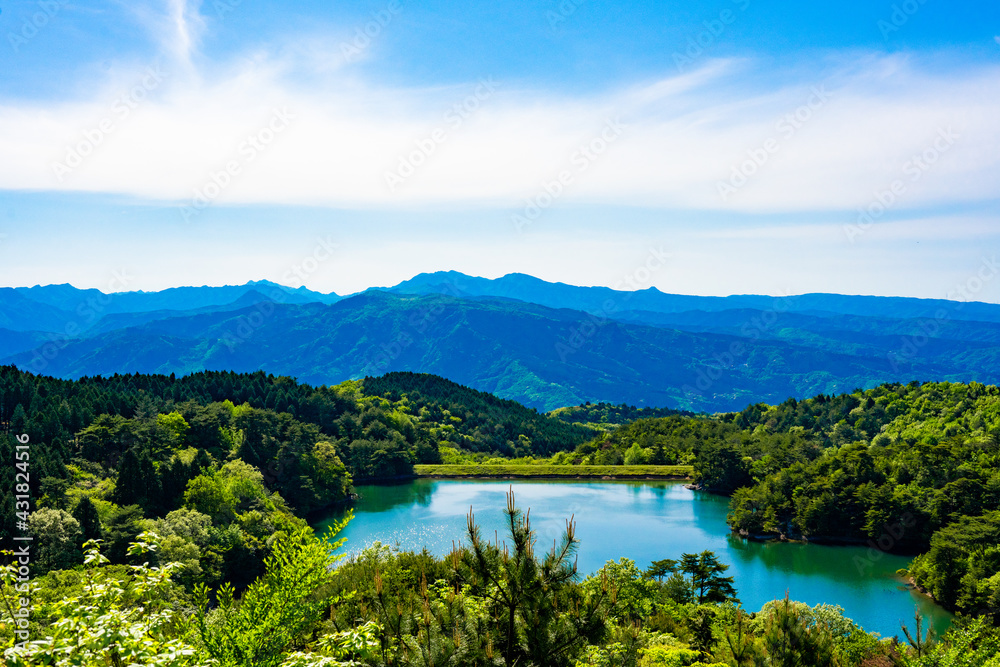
{"type": "Point", "coordinates": [969, 642]}
{"type": "Point", "coordinates": [661, 568]}
{"type": "Point", "coordinates": [56, 536]}
{"type": "Point", "coordinates": [8, 517]}
{"type": "Point", "coordinates": [111, 623]}
{"type": "Point", "coordinates": [632, 596]}
{"type": "Point", "coordinates": [526, 594]}
{"type": "Point", "coordinates": [790, 640]}
{"type": "Point", "coordinates": [86, 515]}
{"type": "Point", "coordinates": [19, 420]}
{"type": "Point", "coordinates": [921, 642]}
{"type": "Point", "coordinates": [707, 581]}
{"type": "Point", "coordinates": [721, 468]}
{"type": "Point", "coordinates": [635, 455]}
{"type": "Point", "coordinates": [137, 483]}
{"type": "Point", "coordinates": [276, 610]}
{"type": "Point", "coordinates": [123, 527]}
{"type": "Point", "coordinates": [175, 427]}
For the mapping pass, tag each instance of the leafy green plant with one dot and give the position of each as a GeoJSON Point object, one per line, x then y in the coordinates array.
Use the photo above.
{"type": "Point", "coordinates": [277, 611]}
{"type": "Point", "coordinates": [113, 623]}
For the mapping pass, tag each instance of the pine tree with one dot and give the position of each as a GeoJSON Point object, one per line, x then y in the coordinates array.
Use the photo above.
{"type": "Point", "coordinates": [86, 515]}
{"type": "Point", "coordinates": [661, 568]}
{"type": "Point", "coordinates": [707, 581]}
{"type": "Point", "coordinates": [19, 422]}
{"type": "Point", "coordinates": [921, 643]}
{"type": "Point", "coordinates": [526, 593]}
{"type": "Point", "coordinates": [136, 479]}
{"type": "Point", "coordinates": [202, 462]}
{"type": "Point", "coordinates": [152, 495]}
{"type": "Point", "coordinates": [790, 641]}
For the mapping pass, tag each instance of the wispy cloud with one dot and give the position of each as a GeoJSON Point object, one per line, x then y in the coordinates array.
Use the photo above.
{"type": "Point", "coordinates": [685, 134]}
{"type": "Point", "coordinates": [176, 26]}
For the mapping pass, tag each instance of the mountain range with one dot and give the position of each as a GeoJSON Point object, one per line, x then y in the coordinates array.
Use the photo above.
{"type": "Point", "coordinates": [544, 344]}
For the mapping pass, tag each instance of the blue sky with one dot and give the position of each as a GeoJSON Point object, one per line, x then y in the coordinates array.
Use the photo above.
{"type": "Point", "coordinates": [769, 147]}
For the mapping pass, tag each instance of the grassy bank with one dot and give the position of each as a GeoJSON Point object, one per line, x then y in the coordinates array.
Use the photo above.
{"type": "Point", "coordinates": [543, 470]}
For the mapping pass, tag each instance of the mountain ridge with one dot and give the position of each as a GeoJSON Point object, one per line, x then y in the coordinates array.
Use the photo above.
{"type": "Point", "coordinates": [569, 346]}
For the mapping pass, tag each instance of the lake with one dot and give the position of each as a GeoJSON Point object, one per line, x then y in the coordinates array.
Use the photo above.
{"type": "Point", "coordinates": [643, 521]}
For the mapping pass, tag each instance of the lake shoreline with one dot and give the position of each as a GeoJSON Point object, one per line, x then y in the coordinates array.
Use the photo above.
{"type": "Point", "coordinates": [642, 520]}
{"type": "Point", "coordinates": [676, 478]}
{"type": "Point", "coordinates": [549, 471]}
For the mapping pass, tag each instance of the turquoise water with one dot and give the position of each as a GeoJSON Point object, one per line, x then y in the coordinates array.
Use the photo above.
{"type": "Point", "coordinates": [643, 521]}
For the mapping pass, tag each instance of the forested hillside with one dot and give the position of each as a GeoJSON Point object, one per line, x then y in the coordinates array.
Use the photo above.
{"type": "Point", "coordinates": [225, 458]}
{"type": "Point", "coordinates": [554, 347]}
{"type": "Point", "coordinates": [912, 469]}
{"type": "Point", "coordinates": [209, 478]}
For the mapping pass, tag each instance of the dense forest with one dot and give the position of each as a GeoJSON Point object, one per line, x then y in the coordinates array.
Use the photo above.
{"type": "Point", "coordinates": [610, 415]}
{"type": "Point", "coordinates": [170, 513]}
{"type": "Point", "coordinates": [912, 469]}
{"type": "Point", "coordinates": [219, 461]}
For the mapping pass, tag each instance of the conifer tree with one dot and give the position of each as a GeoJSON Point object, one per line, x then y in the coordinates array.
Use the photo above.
{"type": "Point", "coordinates": [791, 641]}
{"type": "Point", "coordinates": [86, 515]}
{"type": "Point", "coordinates": [707, 581]}
{"type": "Point", "coordinates": [529, 596]}
{"type": "Point", "coordinates": [137, 483]}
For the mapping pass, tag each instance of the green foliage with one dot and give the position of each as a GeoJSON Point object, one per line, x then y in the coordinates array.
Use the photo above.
{"type": "Point", "coordinates": [474, 420]}
{"type": "Point", "coordinates": [791, 640]}
{"type": "Point", "coordinates": [86, 515]}
{"type": "Point", "coordinates": [972, 644]}
{"type": "Point", "coordinates": [224, 468]}
{"type": "Point", "coordinates": [962, 567]}
{"type": "Point", "coordinates": [525, 593]}
{"type": "Point", "coordinates": [707, 582]}
{"type": "Point", "coordinates": [110, 623]}
{"type": "Point", "coordinates": [57, 537]}
{"type": "Point", "coordinates": [277, 611]}
{"type": "Point", "coordinates": [606, 415]}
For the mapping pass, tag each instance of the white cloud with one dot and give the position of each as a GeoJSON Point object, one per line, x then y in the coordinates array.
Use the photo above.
{"type": "Point", "coordinates": [684, 136]}
{"type": "Point", "coordinates": [176, 26]}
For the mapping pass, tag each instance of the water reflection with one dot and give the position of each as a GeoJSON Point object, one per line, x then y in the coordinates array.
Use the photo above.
{"type": "Point", "coordinates": [644, 521]}
{"type": "Point", "coordinates": [384, 497]}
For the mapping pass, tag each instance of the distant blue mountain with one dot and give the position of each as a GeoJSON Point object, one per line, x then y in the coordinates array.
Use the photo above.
{"type": "Point", "coordinates": [545, 344]}
{"type": "Point", "coordinates": [608, 301]}
{"type": "Point", "coordinates": [65, 310]}
{"type": "Point", "coordinates": [544, 357]}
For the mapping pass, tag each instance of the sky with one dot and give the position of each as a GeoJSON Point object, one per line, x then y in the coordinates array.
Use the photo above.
{"type": "Point", "coordinates": [747, 146]}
